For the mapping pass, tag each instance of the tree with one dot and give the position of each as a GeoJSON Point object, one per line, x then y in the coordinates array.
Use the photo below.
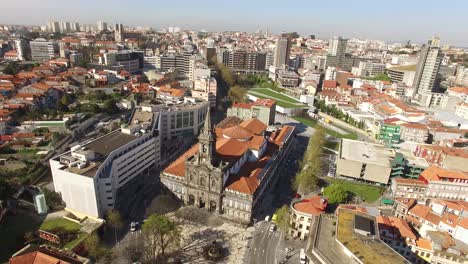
{"type": "Point", "coordinates": [237, 94]}
{"type": "Point", "coordinates": [115, 221]}
{"type": "Point", "coordinates": [110, 107]}
{"type": "Point", "coordinates": [95, 249]}
{"type": "Point", "coordinates": [283, 218]}
{"type": "Point", "coordinates": [336, 193]}
{"type": "Point", "coordinates": [53, 199]}
{"type": "Point", "coordinates": [160, 233]}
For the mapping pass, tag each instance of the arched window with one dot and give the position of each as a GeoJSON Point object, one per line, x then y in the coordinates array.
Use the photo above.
{"type": "Point", "coordinates": [213, 183]}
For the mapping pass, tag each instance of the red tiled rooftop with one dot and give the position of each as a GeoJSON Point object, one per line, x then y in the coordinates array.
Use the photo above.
{"type": "Point", "coordinates": [312, 205]}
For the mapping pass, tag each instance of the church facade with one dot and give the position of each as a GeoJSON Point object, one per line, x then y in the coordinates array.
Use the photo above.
{"type": "Point", "coordinates": [231, 167]}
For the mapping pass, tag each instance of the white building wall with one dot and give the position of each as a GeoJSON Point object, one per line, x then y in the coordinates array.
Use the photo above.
{"type": "Point", "coordinates": [78, 191]}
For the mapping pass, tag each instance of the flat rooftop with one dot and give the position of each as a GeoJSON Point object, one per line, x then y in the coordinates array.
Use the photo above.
{"type": "Point", "coordinates": [368, 153]}
{"type": "Point", "coordinates": [367, 249]}
{"type": "Point", "coordinates": [110, 142]}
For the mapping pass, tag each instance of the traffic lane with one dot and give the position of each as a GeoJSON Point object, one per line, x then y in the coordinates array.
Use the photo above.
{"type": "Point", "coordinates": [257, 248]}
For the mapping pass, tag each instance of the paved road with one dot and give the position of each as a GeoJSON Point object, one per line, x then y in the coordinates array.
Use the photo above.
{"type": "Point", "coordinates": [266, 246]}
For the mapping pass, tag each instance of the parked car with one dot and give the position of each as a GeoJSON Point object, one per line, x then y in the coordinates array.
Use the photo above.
{"type": "Point", "coordinates": [133, 226]}
{"type": "Point", "coordinates": [272, 228]}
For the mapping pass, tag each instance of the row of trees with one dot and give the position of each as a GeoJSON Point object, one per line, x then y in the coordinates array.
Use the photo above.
{"type": "Point", "coordinates": [307, 179]}
{"type": "Point", "coordinates": [337, 113]}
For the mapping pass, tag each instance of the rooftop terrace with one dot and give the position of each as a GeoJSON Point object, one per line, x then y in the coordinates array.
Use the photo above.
{"type": "Point", "coordinates": [367, 249]}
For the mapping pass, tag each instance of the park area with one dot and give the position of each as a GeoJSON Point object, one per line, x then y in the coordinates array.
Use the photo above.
{"type": "Point", "coordinates": [368, 193]}
{"type": "Point", "coordinates": [281, 99]}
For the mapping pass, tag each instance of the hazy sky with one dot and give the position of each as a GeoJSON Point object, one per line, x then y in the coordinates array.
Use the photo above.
{"type": "Point", "coordinates": [415, 20]}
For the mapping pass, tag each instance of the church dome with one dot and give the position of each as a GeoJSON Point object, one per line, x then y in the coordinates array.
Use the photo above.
{"type": "Point", "coordinates": [237, 132]}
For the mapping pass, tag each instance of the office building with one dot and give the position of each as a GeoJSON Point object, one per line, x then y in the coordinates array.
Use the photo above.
{"type": "Point", "coordinates": [125, 59]}
{"type": "Point", "coordinates": [337, 46]}
{"type": "Point", "coordinates": [43, 50]}
{"type": "Point", "coordinates": [427, 77]}
{"type": "Point", "coordinates": [104, 173]}
{"type": "Point", "coordinates": [282, 50]}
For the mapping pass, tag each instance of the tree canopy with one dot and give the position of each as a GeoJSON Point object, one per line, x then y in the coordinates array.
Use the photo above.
{"type": "Point", "coordinates": [282, 218]}
{"type": "Point", "coordinates": [160, 234]}
{"type": "Point", "coordinates": [336, 193]}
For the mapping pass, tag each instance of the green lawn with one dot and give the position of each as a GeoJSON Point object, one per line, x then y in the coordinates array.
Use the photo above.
{"type": "Point", "coordinates": [69, 226]}
{"type": "Point", "coordinates": [275, 95]}
{"type": "Point", "coordinates": [281, 103]}
{"type": "Point", "coordinates": [60, 222]}
{"type": "Point", "coordinates": [314, 123]}
{"type": "Point", "coordinates": [369, 193]}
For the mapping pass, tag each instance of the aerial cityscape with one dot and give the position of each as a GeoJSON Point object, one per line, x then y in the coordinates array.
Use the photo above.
{"type": "Point", "coordinates": [249, 133]}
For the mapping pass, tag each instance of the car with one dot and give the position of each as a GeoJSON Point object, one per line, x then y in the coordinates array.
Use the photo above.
{"type": "Point", "coordinates": [267, 218]}
{"type": "Point", "coordinates": [272, 228]}
{"type": "Point", "coordinates": [302, 257]}
{"type": "Point", "coordinates": [133, 226]}
{"type": "Point", "coordinates": [288, 249]}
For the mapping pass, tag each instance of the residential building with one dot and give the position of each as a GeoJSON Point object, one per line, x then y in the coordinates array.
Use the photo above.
{"type": "Point", "coordinates": [445, 184]}
{"type": "Point", "coordinates": [205, 88]}
{"type": "Point", "coordinates": [389, 133]}
{"type": "Point", "coordinates": [101, 25]}
{"type": "Point", "coordinates": [53, 26]}
{"type": "Point", "coordinates": [368, 69]}
{"type": "Point", "coordinates": [262, 109]}
{"type": "Point", "coordinates": [427, 77]}
{"type": "Point", "coordinates": [461, 110]}
{"type": "Point", "coordinates": [43, 50]}
{"type": "Point", "coordinates": [242, 60]}
{"type": "Point", "coordinates": [282, 51]}
{"type": "Point", "coordinates": [414, 132]}
{"type": "Point", "coordinates": [442, 156]}
{"type": "Point", "coordinates": [303, 212]}
{"type": "Point", "coordinates": [119, 33]}
{"type": "Point", "coordinates": [462, 76]}
{"type": "Point", "coordinates": [231, 168]}
{"type": "Point", "coordinates": [34, 254]}
{"type": "Point", "coordinates": [408, 188]}
{"type": "Point", "coordinates": [104, 173]}
{"type": "Point", "coordinates": [23, 50]}
{"type": "Point", "coordinates": [122, 60]}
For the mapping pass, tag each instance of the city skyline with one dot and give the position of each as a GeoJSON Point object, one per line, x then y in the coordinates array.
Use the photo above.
{"type": "Point", "coordinates": [363, 20]}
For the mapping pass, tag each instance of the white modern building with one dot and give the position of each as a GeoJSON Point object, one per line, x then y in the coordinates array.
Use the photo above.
{"type": "Point", "coordinates": [95, 176]}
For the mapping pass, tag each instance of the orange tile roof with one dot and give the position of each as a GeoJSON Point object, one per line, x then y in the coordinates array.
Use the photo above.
{"type": "Point", "coordinates": [464, 223]}
{"type": "Point", "coordinates": [37, 257]}
{"type": "Point", "coordinates": [424, 244]}
{"type": "Point", "coordinates": [265, 102]}
{"type": "Point", "coordinates": [408, 202]}
{"type": "Point", "coordinates": [329, 84]}
{"type": "Point", "coordinates": [238, 132]}
{"type": "Point", "coordinates": [242, 105]}
{"type": "Point", "coordinates": [434, 173]}
{"type": "Point", "coordinates": [246, 180]}
{"type": "Point", "coordinates": [256, 126]}
{"type": "Point", "coordinates": [311, 205]}
{"type": "Point", "coordinates": [177, 167]}
{"type": "Point", "coordinates": [459, 89]}
{"type": "Point", "coordinates": [396, 226]}
{"type": "Point", "coordinates": [450, 219]}
{"type": "Point", "coordinates": [231, 149]}
{"type": "Point", "coordinates": [409, 181]}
